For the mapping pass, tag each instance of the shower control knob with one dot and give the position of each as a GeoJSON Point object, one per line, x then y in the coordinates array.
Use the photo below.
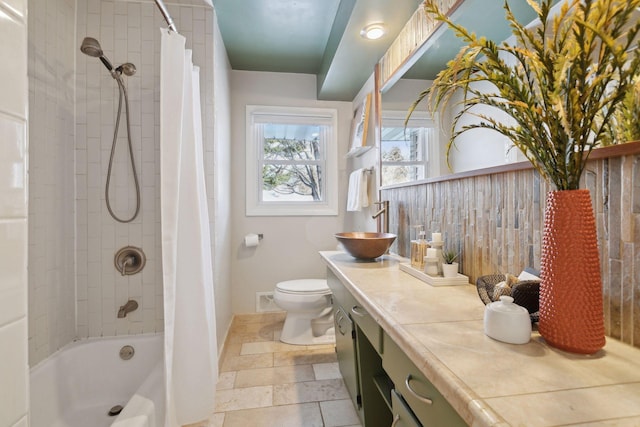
{"type": "Point", "coordinates": [129, 260]}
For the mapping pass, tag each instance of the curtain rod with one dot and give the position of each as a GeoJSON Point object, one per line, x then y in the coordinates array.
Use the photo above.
{"type": "Point", "coordinates": [165, 14]}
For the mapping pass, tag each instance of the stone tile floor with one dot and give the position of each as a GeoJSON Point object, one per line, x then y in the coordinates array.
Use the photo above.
{"type": "Point", "coordinates": [266, 383]}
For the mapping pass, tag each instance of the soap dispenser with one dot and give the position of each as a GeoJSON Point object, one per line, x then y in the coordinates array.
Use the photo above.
{"type": "Point", "coordinates": [419, 249]}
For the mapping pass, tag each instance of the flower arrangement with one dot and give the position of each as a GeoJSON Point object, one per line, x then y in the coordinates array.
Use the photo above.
{"type": "Point", "coordinates": [560, 84]}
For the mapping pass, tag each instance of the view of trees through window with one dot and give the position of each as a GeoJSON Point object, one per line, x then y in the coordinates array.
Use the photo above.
{"type": "Point", "coordinates": [293, 160]}
{"type": "Point", "coordinates": [403, 154]}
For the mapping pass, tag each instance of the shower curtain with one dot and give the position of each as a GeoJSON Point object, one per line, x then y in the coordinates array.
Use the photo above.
{"type": "Point", "coordinates": [190, 345]}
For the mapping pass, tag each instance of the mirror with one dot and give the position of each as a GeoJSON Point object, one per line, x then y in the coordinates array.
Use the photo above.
{"type": "Point", "coordinates": [413, 76]}
{"type": "Point", "coordinates": [425, 140]}
{"type": "Point", "coordinates": [428, 136]}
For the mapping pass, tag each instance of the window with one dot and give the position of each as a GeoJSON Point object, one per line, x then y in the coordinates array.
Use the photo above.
{"type": "Point", "coordinates": [291, 161]}
{"type": "Point", "coordinates": [405, 152]}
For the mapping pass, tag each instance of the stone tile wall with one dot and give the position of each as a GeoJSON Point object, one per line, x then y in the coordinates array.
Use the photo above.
{"type": "Point", "coordinates": [495, 221]}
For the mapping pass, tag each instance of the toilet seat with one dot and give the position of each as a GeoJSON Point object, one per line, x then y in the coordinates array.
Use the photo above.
{"type": "Point", "coordinates": [304, 287]}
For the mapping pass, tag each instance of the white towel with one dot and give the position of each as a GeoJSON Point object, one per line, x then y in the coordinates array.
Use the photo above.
{"type": "Point", "coordinates": [358, 194]}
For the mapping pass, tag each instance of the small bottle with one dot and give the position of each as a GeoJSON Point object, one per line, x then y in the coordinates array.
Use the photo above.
{"type": "Point", "coordinates": [419, 250]}
{"type": "Point", "coordinates": [414, 248]}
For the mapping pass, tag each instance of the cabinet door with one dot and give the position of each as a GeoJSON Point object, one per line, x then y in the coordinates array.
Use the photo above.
{"type": "Point", "coordinates": [346, 352]}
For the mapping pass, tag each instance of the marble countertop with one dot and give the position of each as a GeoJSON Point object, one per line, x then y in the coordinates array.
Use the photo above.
{"type": "Point", "coordinates": [488, 382]}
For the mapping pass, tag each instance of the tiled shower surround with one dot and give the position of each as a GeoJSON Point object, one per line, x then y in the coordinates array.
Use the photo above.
{"type": "Point", "coordinates": [496, 222]}
{"type": "Point", "coordinates": [128, 32]}
{"type": "Point", "coordinates": [74, 289]}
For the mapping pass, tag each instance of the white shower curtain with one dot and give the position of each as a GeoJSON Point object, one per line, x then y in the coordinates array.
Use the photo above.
{"type": "Point", "coordinates": [190, 334]}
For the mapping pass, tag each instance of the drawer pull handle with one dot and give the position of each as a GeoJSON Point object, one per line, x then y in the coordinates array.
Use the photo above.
{"type": "Point", "coordinates": [339, 319]}
{"type": "Point", "coordinates": [355, 311]}
{"type": "Point", "coordinates": [412, 391]}
{"type": "Point", "coordinates": [395, 420]}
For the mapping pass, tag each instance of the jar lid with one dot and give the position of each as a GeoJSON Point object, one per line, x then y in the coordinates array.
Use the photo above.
{"type": "Point", "coordinates": [506, 305]}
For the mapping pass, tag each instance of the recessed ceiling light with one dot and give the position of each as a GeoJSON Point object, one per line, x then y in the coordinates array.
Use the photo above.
{"type": "Point", "coordinates": [373, 31]}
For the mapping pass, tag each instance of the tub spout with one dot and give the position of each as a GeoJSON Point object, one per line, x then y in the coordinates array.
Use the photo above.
{"type": "Point", "coordinates": [130, 306]}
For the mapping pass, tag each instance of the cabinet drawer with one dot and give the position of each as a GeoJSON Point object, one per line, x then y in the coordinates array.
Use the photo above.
{"type": "Point", "coordinates": [402, 416]}
{"type": "Point", "coordinates": [367, 324]}
{"type": "Point", "coordinates": [429, 406]}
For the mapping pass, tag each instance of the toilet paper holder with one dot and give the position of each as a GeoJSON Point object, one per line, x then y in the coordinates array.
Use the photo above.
{"type": "Point", "coordinates": [251, 241]}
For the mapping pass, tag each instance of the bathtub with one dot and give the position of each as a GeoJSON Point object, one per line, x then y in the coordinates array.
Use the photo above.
{"type": "Point", "coordinates": [78, 385]}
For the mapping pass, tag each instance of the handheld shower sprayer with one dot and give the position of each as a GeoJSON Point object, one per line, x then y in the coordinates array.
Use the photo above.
{"type": "Point", "coordinates": [91, 47]}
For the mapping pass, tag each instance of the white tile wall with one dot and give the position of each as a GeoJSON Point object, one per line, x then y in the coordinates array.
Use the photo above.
{"type": "Point", "coordinates": [127, 32]}
{"type": "Point", "coordinates": [51, 176]}
{"type": "Point", "coordinates": [74, 290]}
{"type": "Point", "coordinates": [13, 218]}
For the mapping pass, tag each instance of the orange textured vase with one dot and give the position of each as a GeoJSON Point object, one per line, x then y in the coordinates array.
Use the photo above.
{"type": "Point", "coordinates": [571, 308]}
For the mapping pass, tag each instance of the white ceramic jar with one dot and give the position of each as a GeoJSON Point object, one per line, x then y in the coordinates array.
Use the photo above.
{"type": "Point", "coordinates": [507, 322]}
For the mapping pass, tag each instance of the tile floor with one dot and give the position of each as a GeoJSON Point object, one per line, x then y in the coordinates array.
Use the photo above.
{"type": "Point", "coordinates": [266, 383]}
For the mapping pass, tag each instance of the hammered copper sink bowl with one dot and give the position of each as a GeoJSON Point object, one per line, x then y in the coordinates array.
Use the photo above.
{"type": "Point", "coordinates": [364, 244]}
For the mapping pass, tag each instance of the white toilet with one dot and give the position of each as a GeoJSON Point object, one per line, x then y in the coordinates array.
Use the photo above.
{"type": "Point", "coordinates": [309, 315]}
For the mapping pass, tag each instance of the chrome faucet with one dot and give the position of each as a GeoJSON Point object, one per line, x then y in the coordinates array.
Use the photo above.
{"type": "Point", "coordinates": [384, 210]}
{"type": "Point", "coordinates": [130, 306]}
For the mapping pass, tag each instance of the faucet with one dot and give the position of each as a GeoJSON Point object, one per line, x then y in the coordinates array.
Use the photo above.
{"type": "Point", "coordinates": [130, 306]}
{"type": "Point", "coordinates": [384, 209]}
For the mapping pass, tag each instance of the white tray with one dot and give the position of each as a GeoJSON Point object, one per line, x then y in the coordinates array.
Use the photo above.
{"type": "Point", "coordinates": [460, 279]}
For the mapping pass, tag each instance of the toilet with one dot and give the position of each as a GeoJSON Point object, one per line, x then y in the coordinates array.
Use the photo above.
{"type": "Point", "coordinates": [309, 314]}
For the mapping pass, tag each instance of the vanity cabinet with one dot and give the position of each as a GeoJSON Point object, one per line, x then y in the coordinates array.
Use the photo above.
{"type": "Point", "coordinates": [359, 348]}
{"type": "Point", "coordinates": [386, 388]}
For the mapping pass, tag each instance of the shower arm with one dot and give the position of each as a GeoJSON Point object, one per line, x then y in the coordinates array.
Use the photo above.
{"type": "Point", "coordinates": [165, 14]}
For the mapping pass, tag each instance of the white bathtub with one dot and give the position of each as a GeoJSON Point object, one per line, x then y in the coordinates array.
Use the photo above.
{"type": "Point", "coordinates": [78, 385]}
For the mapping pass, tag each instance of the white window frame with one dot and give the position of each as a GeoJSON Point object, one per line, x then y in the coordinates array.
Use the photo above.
{"type": "Point", "coordinates": [254, 152]}
{"type": "Point", "coordinates": [431, 164]}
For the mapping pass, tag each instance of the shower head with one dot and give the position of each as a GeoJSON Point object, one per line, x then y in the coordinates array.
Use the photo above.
{"type": "Point", "coordinates": [91, 47]}
{"type": "Point", "coordinates": [128, 69]}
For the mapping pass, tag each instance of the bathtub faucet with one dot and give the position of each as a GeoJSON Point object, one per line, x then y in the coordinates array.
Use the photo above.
{"type": "Point", "coordinates": [130, 306]}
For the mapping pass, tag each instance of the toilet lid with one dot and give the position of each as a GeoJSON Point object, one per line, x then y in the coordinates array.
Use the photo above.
{"type": "Point", "coordinates": [306, 286]}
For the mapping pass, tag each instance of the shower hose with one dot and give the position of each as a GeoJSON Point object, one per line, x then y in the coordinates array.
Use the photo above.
{"type": "Point", "coordinates": [123, 94]}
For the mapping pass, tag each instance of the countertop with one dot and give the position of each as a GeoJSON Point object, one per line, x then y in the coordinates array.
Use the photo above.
{"type": "Point", "coordinates": [488, 382]}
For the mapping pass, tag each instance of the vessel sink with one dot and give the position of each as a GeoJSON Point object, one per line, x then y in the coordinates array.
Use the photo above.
{"type": "Point", "coordinates": [365, 244]}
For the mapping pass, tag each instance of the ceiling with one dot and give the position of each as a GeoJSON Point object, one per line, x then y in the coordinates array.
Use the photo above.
{"type": "Point", "coordinates": [320, 37]}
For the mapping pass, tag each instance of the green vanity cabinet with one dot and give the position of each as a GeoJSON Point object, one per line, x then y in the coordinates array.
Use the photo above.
{"type": "Point", "coordinates": [358, 357]}
{"type": "Point", "coordinates": [386, 388]}
{"type": "Point", "coordinates": [412, 387]}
